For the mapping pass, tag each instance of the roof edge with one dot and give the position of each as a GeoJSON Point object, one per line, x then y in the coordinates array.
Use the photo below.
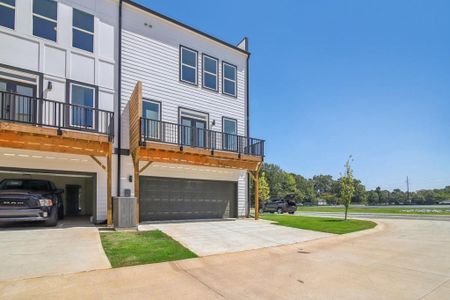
{"type": "Point", "coordinates": [146, 9]}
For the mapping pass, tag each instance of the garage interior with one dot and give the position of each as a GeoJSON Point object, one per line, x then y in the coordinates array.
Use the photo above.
{"type": "Point", "coordinates": [79, 189]}
{"type": "Point", "coordinates": [164, 198]}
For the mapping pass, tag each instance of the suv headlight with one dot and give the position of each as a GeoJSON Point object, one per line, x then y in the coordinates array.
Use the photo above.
{"type": "Point", "coordinates": [46, 202]}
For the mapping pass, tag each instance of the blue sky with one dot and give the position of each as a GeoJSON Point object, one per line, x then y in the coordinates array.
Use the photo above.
{"type": "Point", "coordinates": [333, 78]}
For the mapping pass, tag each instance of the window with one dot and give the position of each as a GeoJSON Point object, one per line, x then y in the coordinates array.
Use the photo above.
{"type": "Point", "coordinates": [7, 13]}
{"type": "Point", "coordinates": [83, 101]}
{"type": "Point", "coordinates": [229, 134]}
{"type": "Point", "coordinates": [188, 65]}
{"type": "Point", "coordinates": [151, 114]}
{"type": "Point", "coordinates": [45, 16]}
{"type": "Point", "coordinates": [210, 70]}
{"type": "Point", "coordinates": [83, 30]}
{"type": "Point", "coordinates": [229, 79]}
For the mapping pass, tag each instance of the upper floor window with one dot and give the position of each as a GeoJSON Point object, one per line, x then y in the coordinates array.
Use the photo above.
{"type": "Point", "coordinates": [151, 114]}
{"type": "Point", "coordinates": [229, 79]}
{"type": "Point", "coordinates": [83, 100]}
{"type": "Point", "coordinates": [45, 17]}
{"type": "Point", "coordinates": [7, 13]}
{"type": "Point", "coordinates": [210, 70]}
{"type": "Point", "coordinates": [188, 65]}
{"type": "Point", "coordinates": [83, 30]}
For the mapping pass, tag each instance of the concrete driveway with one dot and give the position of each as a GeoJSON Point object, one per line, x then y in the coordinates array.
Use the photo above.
{"type": "Point", "coordinates": [34, 251]}
{"type": "Point", "coordinates": [399, 259]}
{"type": "Point", "coordinates": [227, 236]}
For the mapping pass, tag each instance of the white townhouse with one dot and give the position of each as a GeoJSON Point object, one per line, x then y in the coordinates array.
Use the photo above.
{"type": "Point", "coordinates": [109, 98]}
{"type": "Point", "coordinates": [58, 86]}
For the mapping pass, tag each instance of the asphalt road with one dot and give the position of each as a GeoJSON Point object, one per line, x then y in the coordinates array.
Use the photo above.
{"type": "Point", "coordinates": [374, 216]}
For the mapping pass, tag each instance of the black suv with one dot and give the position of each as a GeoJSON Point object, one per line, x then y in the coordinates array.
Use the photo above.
{"type": "Point", "coordinates": [280, 206]}
{"type": "Point", "coordinates": [30, 200]}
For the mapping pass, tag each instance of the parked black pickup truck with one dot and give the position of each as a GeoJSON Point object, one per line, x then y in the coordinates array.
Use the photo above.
{"type": "Point", "coordinates": [30, 200]}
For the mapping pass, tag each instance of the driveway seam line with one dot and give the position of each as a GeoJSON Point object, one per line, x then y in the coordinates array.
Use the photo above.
{"type": "Point", "coordinates": [438, 286]}
{"type": "Point", "coordinates": [202, 282]}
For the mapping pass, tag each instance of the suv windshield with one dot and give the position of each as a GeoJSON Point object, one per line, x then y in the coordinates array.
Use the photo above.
{"type": "Point", "coordinates": [24, 184]}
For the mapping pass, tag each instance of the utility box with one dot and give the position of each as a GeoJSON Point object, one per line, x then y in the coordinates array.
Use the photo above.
{"type": "Point", "coordinates": [124, 209]}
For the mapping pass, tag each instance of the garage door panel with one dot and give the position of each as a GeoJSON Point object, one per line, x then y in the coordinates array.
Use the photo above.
{"type": "Point", "coordinates": [172, 199]}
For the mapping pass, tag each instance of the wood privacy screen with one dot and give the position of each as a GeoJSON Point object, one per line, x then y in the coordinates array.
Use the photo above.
{"type": "Point", "coordinates": [135, 113]}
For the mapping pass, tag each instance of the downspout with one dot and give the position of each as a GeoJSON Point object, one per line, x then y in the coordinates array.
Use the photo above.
{"type": "Point", "coordinates": [248, 119]}
{"type": "Point", "coordinates": [119, 106]}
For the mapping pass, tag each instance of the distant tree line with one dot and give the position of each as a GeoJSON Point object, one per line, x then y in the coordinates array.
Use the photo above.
{"type": "Point", "coordinates": [275, 182]}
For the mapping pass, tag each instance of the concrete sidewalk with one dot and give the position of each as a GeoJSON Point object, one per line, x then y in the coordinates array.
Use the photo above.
{"type": "Point", "coordinates": [399, 259]}
{"type": "Point", "coordinates": [33, 251]}
{"type": "Point", "coordinates": [227, 236]}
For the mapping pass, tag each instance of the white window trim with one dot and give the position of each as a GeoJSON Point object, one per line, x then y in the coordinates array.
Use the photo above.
{"type": "Point", "coordinates": [93, 106]}
{"type": "Point", "coordinates": [47, 19]}
{"type": "Point", "coordinates": [154, 102]}
{"type": "Point", "coordinates": [159, 124]}
{"type": "Point", "coordinates": [227, 79]}
{"type": "Point", "coordinates": [216, 75]}
{"type": "Point", "coordinates": [188, 66]}
{"type": "Point", "coordinates": [232, 120]}
{"type": "Point", "coordinates": [15, 19]}
{"type": "Point", "coordinates": [84, 31]}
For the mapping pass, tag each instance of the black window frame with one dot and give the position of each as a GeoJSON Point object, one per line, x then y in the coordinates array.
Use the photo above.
{"type": "Point", "coordinates": [12, 7]}
{"type": "Point", "coordinates": [224, 78]}
{"type": "Point", "coordinates": [49, 19]}
{"type": "Point", "coordinates": [180, 71]}
{"type": "Point", "coordinates": [82, 30]}
{"type": "Point", "coordinates": [69, 85]}
{"type": "Point", "coordinates": [203, 72]}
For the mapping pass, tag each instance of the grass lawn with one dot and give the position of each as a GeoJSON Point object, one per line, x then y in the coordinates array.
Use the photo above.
{"type": "Point", "coordinates": [331, 225]}
{"type": "Point", "coordinates": [416, 210]}
{"type": "Point", "coordinates": [137, 248]}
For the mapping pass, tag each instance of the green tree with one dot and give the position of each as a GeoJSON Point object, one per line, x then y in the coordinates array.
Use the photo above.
{"type": "Point", "coordinates": [275, 178]}
{"type": "Point", "coordinates": [289, 185]}
{"type": "Point", "coordinates": [264, 189]}
{"type": "Point", "coordinates": [347, 186]}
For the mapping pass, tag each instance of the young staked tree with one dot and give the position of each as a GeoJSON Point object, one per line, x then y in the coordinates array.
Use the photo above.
{"type": "Point", "coordinates": [264, 189]}
{"type": "Point", "coordinates": [347, 186]}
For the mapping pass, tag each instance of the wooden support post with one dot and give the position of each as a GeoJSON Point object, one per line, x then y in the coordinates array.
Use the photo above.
{"type": "Point", "coordinates": [256, 178]}
{"type": "Point", "coordinates": [135, 157]}
{"type": "Point", "coordinates": [109, 186]}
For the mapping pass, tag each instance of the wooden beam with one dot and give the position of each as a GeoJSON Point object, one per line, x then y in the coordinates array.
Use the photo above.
{"type": "Point", "coordinates": [48, 131]}
{"type": "Point", "coordinates": [98, 162]}
{"type": "Point", "coordinates": [109, 186]}
{"type": "Point", "coordinates": [145, 167]}
{"type": "Point", "coordinates": [20, 140]}
{"type": "Point", "coordinates": [256, 195]}
{"type": "Point", "coordinates": [195, 159]}
{"type": "Point", "coordinates": [136, 159]}
{"type": "Point", "coordinates": [201, 151]}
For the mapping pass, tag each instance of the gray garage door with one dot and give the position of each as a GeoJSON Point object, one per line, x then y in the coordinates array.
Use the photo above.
{"type": "Point", "coordinates": [182, 199]}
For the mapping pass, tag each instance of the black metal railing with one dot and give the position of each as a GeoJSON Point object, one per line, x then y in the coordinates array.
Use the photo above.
{"type": "Point", "coordinates": [38, 111]}
{"type": "Point", "coordinates": [178, 134]}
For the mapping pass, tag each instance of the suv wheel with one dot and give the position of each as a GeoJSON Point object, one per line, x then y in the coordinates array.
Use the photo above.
{"type": "Point", "coordinates": [279, 210]}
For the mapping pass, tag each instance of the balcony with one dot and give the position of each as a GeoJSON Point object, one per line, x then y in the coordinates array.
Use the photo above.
{"type": "Point", "coordinates": [185, 136]}
{"type": "Point", "coordinates": [54, 114]}
{"type": "Point", "coordinates": [45, 125]}
{"type": "Point", "coordinates": [164, 142]}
